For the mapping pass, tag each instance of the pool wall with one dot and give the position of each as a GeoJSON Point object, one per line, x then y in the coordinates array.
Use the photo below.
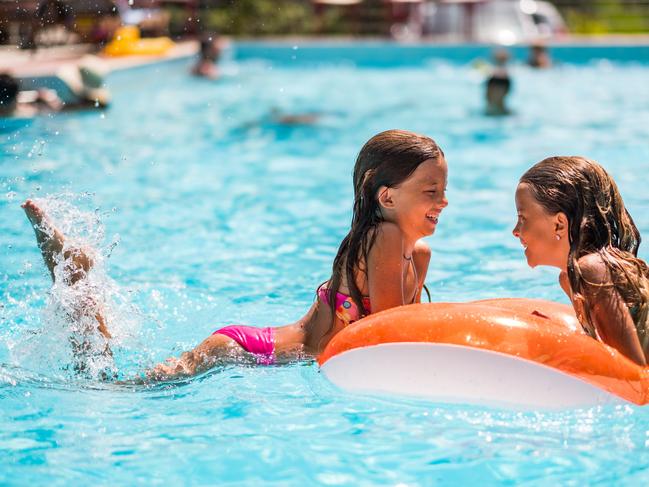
{"type": "Point", "coordinates": [390, 54]}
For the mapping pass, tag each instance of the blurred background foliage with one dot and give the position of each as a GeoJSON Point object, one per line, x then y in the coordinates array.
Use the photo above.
{"type": "Point", "coordinates": [260, 17]}
{"type": "Point", "coordinates": [605, 16]}
{"type": "Point", "coordinates": [20, 20]}
{"type": "Point", "coordinates": [302, 17]}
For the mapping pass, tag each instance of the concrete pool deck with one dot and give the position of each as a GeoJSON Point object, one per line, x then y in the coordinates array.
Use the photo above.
{"type": "Point", "coordinates": [46, 62]}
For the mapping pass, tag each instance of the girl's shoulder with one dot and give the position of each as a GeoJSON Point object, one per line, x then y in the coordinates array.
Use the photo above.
{"type": "Point", "coordinates": [387, 240]}
{"type": "Point", "coordinates": [593, 269]}
{"type": "Point", "coordinates": [387, 233]}
{"type": "Point", "coordinates": [421, 250]}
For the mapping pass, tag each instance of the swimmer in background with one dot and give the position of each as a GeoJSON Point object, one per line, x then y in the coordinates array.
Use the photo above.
{"type": "Point", "coordinates": [209, 54]}
{"type": "Point", "coordinates": [539, 56]}
{"type": "Point", "coordinates": [25, 104]}
{"type": "Point", "coordinates": [82, 81]}
{"type": "Point", "coordinates": [399, 192]}
{"type": "Point", "coordinates": [85, 81]}
{"type": "Point", "coordinates": [276, 117]}
{"type": "Point", "coordinates": [307, 118]}
{"type": "Point", "coordinates": [571, 216]}
{"type": "Point", "coordinates": [498, 85]}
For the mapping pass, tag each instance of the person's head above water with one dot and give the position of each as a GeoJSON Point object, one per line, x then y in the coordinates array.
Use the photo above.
{"type": "Point", "coordinates": [571, 216]}
{"type": "Point", "coordinates": [386, 168]}
{"type": "Point", "coordinates": [399, 177]}
{"type": "Point", "coordinates": [570, 207]}
{"type": "Point", "coordinates": [500, 57]}
{"type": "Point", "coordinates": [209, 49]}
{"type": "Point", "coordinates": [539, 56]}
{"type": "Point", "coordinates": [8, 93]}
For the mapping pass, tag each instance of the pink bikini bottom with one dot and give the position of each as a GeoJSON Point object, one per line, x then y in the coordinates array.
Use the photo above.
{"type": "Point", "coordinates": [258, 341]}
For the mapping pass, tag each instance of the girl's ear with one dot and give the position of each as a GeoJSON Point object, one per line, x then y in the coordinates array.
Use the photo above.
{"type": "Point", "coordinates": [561, 225]}
{"type": "Point", "coordinates": [384, 197]}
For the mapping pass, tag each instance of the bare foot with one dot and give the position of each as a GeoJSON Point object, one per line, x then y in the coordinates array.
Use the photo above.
{"type": "Point", "coordinates": [49, 239]}
{"type": "Point", "coordinates": [51, 242]}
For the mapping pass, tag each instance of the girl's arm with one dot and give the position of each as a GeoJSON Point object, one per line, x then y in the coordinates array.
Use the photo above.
{"type": "Point", "coordinates": [385, 266]}
{"type": "Point", "coordinates": [608, 311]}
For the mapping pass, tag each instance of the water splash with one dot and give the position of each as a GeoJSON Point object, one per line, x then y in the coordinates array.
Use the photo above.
{"type": "Point", "coordinates": [69, 342]}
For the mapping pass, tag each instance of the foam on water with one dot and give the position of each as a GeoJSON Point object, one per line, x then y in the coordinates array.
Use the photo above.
{"type": "Point", "coordinates": [67, 341]}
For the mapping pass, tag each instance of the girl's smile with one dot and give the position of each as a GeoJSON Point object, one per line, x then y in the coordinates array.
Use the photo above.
{"type": "Point", "coordinates": [418, 202]}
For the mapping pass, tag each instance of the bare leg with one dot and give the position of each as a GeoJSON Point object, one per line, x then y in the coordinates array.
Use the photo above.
{"type": "Point", "coordinates": [52, 244]}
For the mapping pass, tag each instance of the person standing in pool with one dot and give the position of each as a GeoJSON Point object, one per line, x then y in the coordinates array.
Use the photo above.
{"type": "Point", "coordinates": [14, 103]}
{"type": "Point", "coordinates": [571, 216]}
{"type": "Point", "coordinates": [209, 53]}
{"type": "Point", "coordinates": [498, 85]}
{"type": "Point", "coordinates": [399, 192]}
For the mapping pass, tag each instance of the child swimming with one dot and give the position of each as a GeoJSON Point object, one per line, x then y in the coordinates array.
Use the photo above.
{"type": "Point", "coordinates": [399, 192]}
{"type": "Point", "coordinates": [571, 216]}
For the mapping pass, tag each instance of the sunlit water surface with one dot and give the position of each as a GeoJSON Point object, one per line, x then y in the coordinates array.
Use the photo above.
{"type": "Point", "coordinates": [206, 212]}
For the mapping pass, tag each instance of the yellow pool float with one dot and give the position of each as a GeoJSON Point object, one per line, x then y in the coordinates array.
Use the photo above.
{"type": "Point", "coordinates": [127, 42]}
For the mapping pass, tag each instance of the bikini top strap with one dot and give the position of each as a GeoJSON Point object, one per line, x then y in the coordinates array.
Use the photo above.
{"type": "Point", "coordinates": [414, 271]}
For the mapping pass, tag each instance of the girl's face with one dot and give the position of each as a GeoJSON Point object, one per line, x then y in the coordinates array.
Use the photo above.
{"type": "Point", "coordinates": [543, 236]}
{"type": "Point", "coordinates": [417, 202]}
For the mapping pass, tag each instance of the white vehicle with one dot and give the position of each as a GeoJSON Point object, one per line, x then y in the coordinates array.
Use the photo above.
{"type": "Point", "coordinates": [493, 21]}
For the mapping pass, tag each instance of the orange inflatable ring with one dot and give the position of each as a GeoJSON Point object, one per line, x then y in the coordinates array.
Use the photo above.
{"type": "Point", "coordinates": [514, 352]}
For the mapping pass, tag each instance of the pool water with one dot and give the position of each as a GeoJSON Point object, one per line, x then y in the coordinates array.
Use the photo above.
{"type": "Point", "coordinates": [208, 212]}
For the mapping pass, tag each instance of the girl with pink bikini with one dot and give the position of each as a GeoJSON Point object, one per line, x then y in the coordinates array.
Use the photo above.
{"type": "Point", "coordinates": [399, 192]}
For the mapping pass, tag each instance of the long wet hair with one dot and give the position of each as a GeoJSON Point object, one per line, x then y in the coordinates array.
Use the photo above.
{"type": "Point", "coordinates": [598, 223]}
{"type": "Point", "coordinates": [387, 159]}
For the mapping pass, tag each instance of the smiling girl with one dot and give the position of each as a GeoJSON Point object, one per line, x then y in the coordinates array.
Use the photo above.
{"type": "Point", "coordinates": [399, 192]}
{"type": "Point", "coordinates": [571, 216]}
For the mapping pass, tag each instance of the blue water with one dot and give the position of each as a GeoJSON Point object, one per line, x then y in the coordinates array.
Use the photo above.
{"type": "Point", "coordinates": [207, 212]}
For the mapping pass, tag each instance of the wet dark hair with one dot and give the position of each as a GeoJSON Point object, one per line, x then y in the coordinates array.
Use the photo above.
{"type": "Point", "coordinates": [499, 81]}
{"type": "Point", "coordinates": [208, 50]}
{"type": "Point", "coordinates": [598, 223]}
{"type": "Point", "coordinates": [8, 89]}
{"type": "Point", "coordinates": [387, 159]}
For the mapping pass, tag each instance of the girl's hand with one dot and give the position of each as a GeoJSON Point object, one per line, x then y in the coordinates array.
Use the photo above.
{"type": "Point", "coordinates": [174, 368]}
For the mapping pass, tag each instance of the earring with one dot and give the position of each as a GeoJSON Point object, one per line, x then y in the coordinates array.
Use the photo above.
{"type": "Point", "coordinates": [557, 236]}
